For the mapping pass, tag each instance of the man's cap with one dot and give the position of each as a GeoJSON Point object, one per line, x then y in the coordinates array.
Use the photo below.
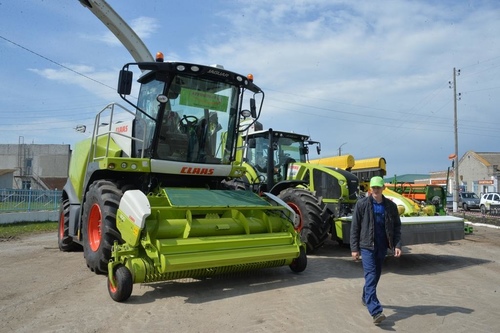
{"type": "Point", "coordinates": [376, 181]}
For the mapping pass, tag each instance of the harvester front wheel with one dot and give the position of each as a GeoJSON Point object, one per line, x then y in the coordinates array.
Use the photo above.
{"type": "Point", "coordinates": [314, 230]}
{"type": "Point", "coordinates": [123, 282]}
{"type": "Point", "coordinates": [99, 230]}
{"type": "Point", "coordinates": [299, 264]}
{"type": "Point", "coordinates": [64, 240]}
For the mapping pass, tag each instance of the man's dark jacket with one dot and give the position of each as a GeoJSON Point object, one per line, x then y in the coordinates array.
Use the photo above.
{"type": "Point", "coordinates": [363, 228]}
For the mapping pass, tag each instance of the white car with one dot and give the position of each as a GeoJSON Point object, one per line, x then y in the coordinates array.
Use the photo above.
{"type": "Point", "coordinates": [487, 200]}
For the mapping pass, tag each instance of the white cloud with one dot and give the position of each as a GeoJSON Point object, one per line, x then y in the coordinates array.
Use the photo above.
{"type": "Point", "coordinates": [144, 27]}
{"type": "Point", "coordinates": [100, 84]}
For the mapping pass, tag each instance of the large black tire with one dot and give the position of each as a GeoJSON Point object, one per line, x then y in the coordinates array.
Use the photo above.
{"type": "Point", "coordinates": [124, 284]}
{"type": "Point", "coordinates": [64, 241]}
{"type": "Point", "coordinates": [99, 230]}
{"type": "Point", "coordinates": [314, 229]}
{"type": "Point", "coordinates": [299, 264]}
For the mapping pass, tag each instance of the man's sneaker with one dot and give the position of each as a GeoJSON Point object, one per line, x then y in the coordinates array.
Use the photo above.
{"type": "Point", "coordinates": [378, 318]}
{"type": "Point", "coordinates": [363, 301]}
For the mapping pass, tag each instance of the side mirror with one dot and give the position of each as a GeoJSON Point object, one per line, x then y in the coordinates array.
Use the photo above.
{"type": "Point", "coordinates": [253, 108]}
{"type": "Point", "coordinates": [125, 82]}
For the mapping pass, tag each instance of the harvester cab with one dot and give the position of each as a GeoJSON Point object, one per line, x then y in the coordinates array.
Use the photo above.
{"type": "Point", "coordinates": [189, 114]}
{"type": "Point", "coordinates": [146, 197]}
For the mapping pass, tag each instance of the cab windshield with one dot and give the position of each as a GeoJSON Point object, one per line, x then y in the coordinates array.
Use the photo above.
{"type": "Point", "coordinates": [197, 123]}
{"type": "Point", "coordinates": [286, 151]}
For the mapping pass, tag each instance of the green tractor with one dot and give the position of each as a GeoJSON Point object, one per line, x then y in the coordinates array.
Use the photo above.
{"type": "Point", "coordinates": [277, 162]}
{"type": "Point", "coordinates": [146, 195]}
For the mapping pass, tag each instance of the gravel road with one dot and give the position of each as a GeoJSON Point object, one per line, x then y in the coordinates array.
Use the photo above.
{"type": "Point", "coordinates": [452, 287]}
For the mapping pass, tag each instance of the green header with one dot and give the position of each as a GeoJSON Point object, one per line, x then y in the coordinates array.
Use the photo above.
{"type": "Point", "coordinates": [204, 100]}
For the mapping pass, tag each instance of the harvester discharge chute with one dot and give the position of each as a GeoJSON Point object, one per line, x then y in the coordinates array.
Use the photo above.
{"type": "Point", "coordinates": [146, 197]}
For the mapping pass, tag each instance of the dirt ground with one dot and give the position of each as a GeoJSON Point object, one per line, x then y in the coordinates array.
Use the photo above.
{"type": "Point", "coordinates": [452, 287]}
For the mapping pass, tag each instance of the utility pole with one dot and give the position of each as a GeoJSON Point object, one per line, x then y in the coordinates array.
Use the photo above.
{"type": "Point", "coordinates": [340, 148]}
{"type": "Point", "coordinates": [455, 125]}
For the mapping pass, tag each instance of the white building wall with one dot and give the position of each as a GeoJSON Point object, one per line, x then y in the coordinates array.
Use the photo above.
{"type": "Point", "coordinates": [50, 160]}
{"type": "Point", "coordinates": [470, 171]}
{"type": "Point", "coordinates": [45, 160]}
{"type": "Point", "coordinates": [6, 180]}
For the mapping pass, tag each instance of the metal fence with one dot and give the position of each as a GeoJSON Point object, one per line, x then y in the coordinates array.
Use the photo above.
{"type": "Point", "coordinates": [494, 210]}
{"type": "Point", "coordinates": [12, 200]}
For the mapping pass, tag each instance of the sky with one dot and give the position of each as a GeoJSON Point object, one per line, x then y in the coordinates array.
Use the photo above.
{"type": "Point", "coordinates": [366, 78]}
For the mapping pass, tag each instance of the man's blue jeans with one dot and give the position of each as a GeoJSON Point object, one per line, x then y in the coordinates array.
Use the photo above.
{"type": "Point", "coordinates": [372, 267]}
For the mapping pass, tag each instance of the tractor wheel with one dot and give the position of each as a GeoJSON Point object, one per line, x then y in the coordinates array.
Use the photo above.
{"type": "Point", "coordinates": [314, 229]}
{"type": "Point", "coordinates": [65, 241]}
{"type": "Point", "coordinates": [299, 264]}
{"type": "Point", "coordinates": [124, 284]}
{"type": "Point", "coordinates": [99, 230]}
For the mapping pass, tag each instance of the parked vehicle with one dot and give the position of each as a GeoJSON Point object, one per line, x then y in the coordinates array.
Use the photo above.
{"type": "Point", "coordinates": [468, 200]}
{"type": "Point", "coordinates": [487, 200]}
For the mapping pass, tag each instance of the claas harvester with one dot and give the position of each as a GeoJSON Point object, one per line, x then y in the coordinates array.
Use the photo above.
{"type": "Point", "coordinates": [146, 195]}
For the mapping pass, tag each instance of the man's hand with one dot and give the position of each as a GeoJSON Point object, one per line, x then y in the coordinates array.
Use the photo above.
{"type": "Point", "coordinates": [397, 252]}
{"type": "Point", "coordinates": [355, 255]}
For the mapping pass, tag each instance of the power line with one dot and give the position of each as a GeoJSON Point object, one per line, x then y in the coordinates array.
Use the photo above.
{"type": "Point", "coordinates": [55, 62]}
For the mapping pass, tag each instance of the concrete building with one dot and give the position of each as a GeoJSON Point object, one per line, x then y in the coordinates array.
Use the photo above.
{"type": "Point", "coordinates": [478, 172]}
{"type": "Point", "coordinates": [34, 166]}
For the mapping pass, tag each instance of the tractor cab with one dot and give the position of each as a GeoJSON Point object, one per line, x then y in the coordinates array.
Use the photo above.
{"type": "Point", "coordinates": [272, 153]}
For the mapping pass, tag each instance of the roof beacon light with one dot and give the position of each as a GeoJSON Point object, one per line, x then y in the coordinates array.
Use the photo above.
{"type": "Point", "coordinates": [159, 57]}
{"type": "Point", "coordinates": [250, 77]}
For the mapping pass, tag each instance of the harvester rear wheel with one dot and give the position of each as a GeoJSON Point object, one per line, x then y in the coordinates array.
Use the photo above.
{"type": "Point", "coordinates": [124, 283]}
{"type": "Point", "coordinates": [65, 241]}
{"type": "Point", "coordinates": [99, 230]}
{"type": "Point", "coordinates": [299, 264]}
{"type": "Point", "coordinates": [314, 230]}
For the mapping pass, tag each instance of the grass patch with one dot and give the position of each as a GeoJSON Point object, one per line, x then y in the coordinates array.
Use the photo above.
{"type": "Point", "coordinates": [13, 230]}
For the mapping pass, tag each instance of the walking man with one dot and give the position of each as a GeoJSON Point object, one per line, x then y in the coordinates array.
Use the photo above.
{"type": "Point", "coordinates": [375, 227]}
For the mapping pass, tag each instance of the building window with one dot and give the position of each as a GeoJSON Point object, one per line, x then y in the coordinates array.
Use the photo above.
{"type": "Point", "coordinates": [26, 184]}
